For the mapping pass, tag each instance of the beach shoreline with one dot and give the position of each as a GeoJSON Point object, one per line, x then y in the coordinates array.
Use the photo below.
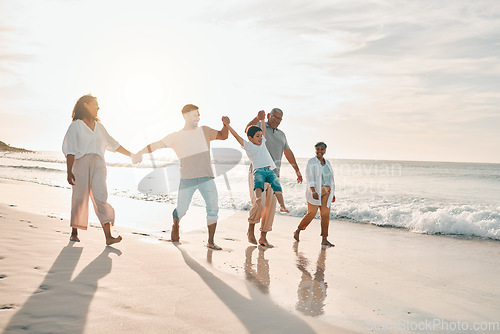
{"type": "Point", "coordinates": [372, 278]}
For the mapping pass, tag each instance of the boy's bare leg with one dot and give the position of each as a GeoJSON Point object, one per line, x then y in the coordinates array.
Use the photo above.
{"type": "Point", "coordinates": [263, 241]}
{"type": "Point", "coordinates": [251, 234]}
{"type": "Point", "coordinates": [107, 233]}
{"type": "Point", "coordinates": [296, 235]}
{"type": "Point", "coordinates": [74, 235]}
{"type": "Point", "coordinates": [325, 242]}
{"type": "Point", "coordinates": [211, 234]}
{"type": "Point", "coordinates": [174, 235]}
{"type": "Point", "coordinates": [281, 201]}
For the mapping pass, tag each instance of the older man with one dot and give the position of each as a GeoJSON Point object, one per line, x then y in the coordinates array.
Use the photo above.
{"type": "Point", "coordinates": [264, 209]}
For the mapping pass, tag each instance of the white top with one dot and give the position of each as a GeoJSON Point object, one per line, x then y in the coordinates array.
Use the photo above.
{"type": "Point", "coordinates": [193, 150]}
{"type": "Point", "coordinates": [314, 173]}
{"type": "Point", "coordinates": [259, 155]}
{"type": "Point", "coordinates": [325, 175]}
{"type": "Point", "coordinates": [81, 140]}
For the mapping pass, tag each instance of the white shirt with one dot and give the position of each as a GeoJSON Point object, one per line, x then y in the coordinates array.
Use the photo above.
{"type": "Point", "coordinates": [314, 173]}
{"type": "Point", "coordinates": [259, 155]}
{"type": "Point", "coordinates": [80, 140]}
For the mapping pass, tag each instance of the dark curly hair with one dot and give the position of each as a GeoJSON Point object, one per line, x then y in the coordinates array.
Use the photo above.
{"type": "Point", "coordinates": [79, 111]}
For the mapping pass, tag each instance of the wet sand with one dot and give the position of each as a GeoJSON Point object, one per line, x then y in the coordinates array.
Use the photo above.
{"type": "Point", "coordinates": [373, 279]}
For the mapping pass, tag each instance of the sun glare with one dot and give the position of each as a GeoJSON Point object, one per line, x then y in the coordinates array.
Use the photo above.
{"type": "Point", "coordinates": [144, 92]}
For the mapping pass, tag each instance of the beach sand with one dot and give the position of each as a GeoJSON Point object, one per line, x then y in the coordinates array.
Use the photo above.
{"type": "Point", "coordinates": [374, 279]}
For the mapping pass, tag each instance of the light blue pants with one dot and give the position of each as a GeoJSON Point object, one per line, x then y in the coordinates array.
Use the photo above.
{"type": "Point", "coordinates": [208, 190]}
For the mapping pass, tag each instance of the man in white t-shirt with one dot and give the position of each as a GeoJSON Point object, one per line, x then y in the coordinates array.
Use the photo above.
{"type": "Point", "coordinates": [192, 146]}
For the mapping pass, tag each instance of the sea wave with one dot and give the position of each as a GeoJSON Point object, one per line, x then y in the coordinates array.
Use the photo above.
{"type": "Point", "coordinates": [37, 168]}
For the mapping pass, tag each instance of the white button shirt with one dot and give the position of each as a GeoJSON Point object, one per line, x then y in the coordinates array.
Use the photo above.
{"type": "Point", "coordinates": [80, 140]}
{"type": "Point", "coordinates": [314, 173]}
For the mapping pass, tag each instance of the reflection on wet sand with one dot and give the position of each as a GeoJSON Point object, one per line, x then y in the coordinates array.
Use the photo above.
{"type": "Point", "coordinates": [259, 278]}
{"type": "Point", "coordinates": [312, 290]}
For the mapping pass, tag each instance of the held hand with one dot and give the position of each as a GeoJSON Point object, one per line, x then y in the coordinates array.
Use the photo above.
{"type": "Point", "coordinates": [261, 115]}
{"type": "Point", "coordinates": [136, 158]}
{"type": "Point", "coordinates": [315, 195]}
{"type": "Point", "coordinates": [299, 177]}
{"type": "Point", "coordinates": [226, 120]}
{"type": "Point", "coordinates": [333, 199]}
{"type": "Point", "coordinates": [71, 178]}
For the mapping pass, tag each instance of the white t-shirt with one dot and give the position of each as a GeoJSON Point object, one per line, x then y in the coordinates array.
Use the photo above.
{"type": "Point", "coordinates": [80, 140]}
{"type": "Point", "coordinates": [193, 150]}
{"type": "Point", "coordinates": [259, 155]}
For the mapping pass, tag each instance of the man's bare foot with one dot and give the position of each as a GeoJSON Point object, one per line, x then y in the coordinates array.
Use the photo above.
{"type": "Point", "coordinates": [251, 238]}
{"type": "Point", "coordinates": [174, 235]}
{"type": "Point", "coordinates": [327, 243]}
{"type": "Point", "coordinates": [296, 235]}
{"type": "Point", "coordinates": [283, 209]}
{"type": "Point", "coordinates": [265, 243]}
{"type": "Point", "coordinates": [110, 241]}
{"type": "Point", "coordinates": [214, 246]}
{"type": "Point", "coordinates": [74, 238]}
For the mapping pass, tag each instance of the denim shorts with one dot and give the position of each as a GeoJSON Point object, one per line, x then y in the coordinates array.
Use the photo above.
{"type": "Point", "coordinates": [263, 175]}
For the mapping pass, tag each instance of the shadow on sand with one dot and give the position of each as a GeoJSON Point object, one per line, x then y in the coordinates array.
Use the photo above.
{"type": "Point", "coordinates": [60, 305]}
{"type": "Point", "coordinates": [259, 314]}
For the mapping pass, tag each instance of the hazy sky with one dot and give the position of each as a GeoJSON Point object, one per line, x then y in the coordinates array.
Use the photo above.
{"type": "Point", "coordinates": [409, 80]}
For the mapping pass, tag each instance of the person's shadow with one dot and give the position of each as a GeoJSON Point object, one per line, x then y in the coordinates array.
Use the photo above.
{"type": "Point", "coordinates": [312, 290]}
{"type": "Point", "coordinates": [259, 313]}
{"type": "Point", "coordinates": [60, 304]}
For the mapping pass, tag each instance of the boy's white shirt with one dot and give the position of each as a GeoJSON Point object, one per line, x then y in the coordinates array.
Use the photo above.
{"type": "Point", "coordinates": [313, 177]}
{"type": "Point", "coordinates": [259, 155]}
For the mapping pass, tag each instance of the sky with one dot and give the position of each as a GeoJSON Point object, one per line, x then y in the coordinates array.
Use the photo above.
{"type": "Point", "coordinates": [385, 80]}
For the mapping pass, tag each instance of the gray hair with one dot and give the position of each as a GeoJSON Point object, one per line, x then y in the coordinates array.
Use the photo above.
{"type": "Point", "coordinates": [275, 110]}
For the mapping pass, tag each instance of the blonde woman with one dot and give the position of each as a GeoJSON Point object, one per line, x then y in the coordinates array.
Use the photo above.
{"type": "Point", "coordinates": [320, 193]}
{"type": "Point", "coordinates": [84, 145]}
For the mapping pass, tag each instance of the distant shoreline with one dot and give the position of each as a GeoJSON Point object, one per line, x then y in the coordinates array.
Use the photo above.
{"type": "Point", "coordinates": [8, 148]}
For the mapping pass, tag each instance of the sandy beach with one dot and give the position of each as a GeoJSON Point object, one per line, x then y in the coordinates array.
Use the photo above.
{"type": "Point", "coordinates": [375, 279]}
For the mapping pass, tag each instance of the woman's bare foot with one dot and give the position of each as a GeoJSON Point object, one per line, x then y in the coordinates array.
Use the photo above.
{"type": "Point", "coordinates": [214, 246]}
{"type": "Point", "coordinates": [283, 209]}
{"type": "Point", "coordinates": [74, 238]}
{"type": "Point", "coordinates": [265, 243]}
{"type": "Point", "coordinates": [110, 241]}
{"type": "Point", "coordinates": [327, 243]}
{"type": "Point", "coordinates": [296, 235]}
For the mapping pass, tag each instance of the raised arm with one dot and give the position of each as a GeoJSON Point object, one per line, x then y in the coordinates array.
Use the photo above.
{"type": "Point", "coordinates": [260, 115]}
{"type": "Point", "coordinates": [223, 134]}
{"type": "Point", "coordinates": [226, 122]}
{"type": "Point", "coordinates": [262, 119]}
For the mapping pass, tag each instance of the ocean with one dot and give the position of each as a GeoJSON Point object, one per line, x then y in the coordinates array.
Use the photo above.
{"type": "Point", "coordinates": [440, 198]}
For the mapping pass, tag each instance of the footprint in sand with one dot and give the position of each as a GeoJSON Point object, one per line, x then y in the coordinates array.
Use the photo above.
{"type": "Point", "coordinates": [12, 205]}
{"type": "Point", "coordinates": [8, 307]}
{"type": "Point", "coordinates": [2, 276]}
{"type": "Point", "coordinates": [42, 288]}
{"type": "Point", "coordinates": [1, 257]}
{"type": "Point", "coordinates": [26, 221]}
{"type": "Point", "coordinates": [230, 239]}
{"type": "Point", "coordinates": [32, 226]}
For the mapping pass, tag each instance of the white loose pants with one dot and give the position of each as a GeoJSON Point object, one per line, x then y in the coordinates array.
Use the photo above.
{"type": "Point", "coordinates": [90, 181]}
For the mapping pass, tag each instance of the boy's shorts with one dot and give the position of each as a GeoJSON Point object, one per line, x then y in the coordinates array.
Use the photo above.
{"type": "Point", "coordinates": [263, 175]}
